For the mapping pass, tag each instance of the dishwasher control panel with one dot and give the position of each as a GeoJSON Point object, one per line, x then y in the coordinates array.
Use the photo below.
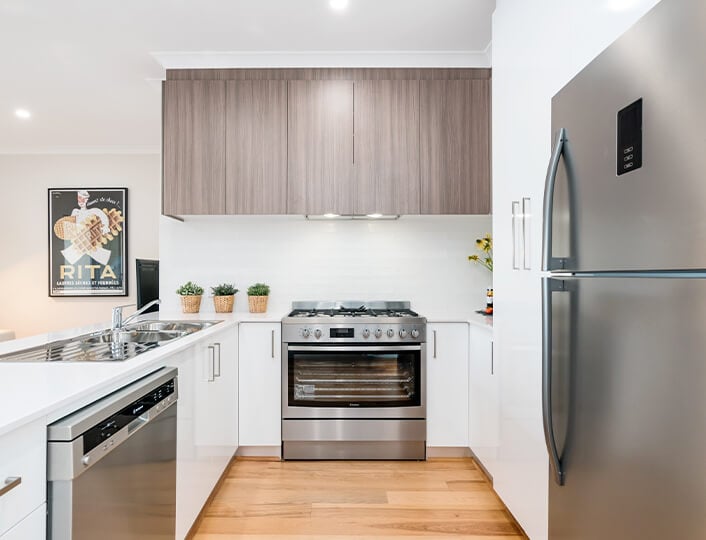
{"type": "Point", "coordinates": [108, 427]}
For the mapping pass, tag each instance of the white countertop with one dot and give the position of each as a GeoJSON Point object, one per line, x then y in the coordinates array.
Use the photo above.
{"type": "Point", "coordinates": [55, 389]}
{"type": "Point", "coordinates": [475, 319]}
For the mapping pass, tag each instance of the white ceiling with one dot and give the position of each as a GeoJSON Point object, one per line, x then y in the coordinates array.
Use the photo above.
{"type": "Point", "coordinates": [89, 70]}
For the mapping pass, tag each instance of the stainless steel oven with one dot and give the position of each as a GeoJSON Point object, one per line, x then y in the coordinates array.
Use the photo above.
{"type": "Point", "coordinates": [353, 384]}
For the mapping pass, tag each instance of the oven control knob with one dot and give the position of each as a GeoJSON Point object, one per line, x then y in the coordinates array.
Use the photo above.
{"type": "Point", "coordinates": [366, 333]}
{"type": "Point", "coordinates": [305, 332]}
{"type": "Point", "coordinates": [86, 460]}
{"type": "Point", "coordinates": [390, 333]}
{"type": "Point", "coordinates": [403, 333]}
{"type": "Point", "coordinates": [317, 333]}
{"type": "Point", "coordinates": [378, 333]}
{"type": "Point", "coordinates": [414, 333]}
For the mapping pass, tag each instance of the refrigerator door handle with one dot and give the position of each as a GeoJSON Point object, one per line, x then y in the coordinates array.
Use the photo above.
{"type": "Point", "coordinates": [548, 286]}
{"type": "Point", "coordinates": [549, 199]}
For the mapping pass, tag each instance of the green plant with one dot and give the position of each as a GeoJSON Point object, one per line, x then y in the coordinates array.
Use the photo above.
{"type": "Point", "coordinates": [224, 289]}
{"type": "Point", "coordinates": [485, 246]}
{"type": "Point", "coordinates": [259, 289]}
{"type": "Point", "coordinates": [189, 289]}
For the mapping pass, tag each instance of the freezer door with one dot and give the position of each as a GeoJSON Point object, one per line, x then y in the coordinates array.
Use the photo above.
{"type": "Point", "coordinates": [627, 381]}
{"type": "Point", "coordinates": [651, 215]}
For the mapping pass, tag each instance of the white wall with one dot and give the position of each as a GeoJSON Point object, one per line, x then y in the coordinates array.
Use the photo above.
{"type": "Point", "coordinates": [538, 46]}
{"type": "Point", "coordinates": [418, 258]}
{"type": "Point", "coordinates": [25, 305]}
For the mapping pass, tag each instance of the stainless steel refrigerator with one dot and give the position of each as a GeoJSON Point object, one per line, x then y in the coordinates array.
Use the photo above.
{"type": "Point", "coordinates": [624, 298]}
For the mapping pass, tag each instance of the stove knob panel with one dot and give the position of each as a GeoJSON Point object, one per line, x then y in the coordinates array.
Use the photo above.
{"type": "Point", "coordinates": [403, 333]}
{"type": "Point", "coordinates": [305, 332]}
{"type": "Point", "coordinates": [378, 333]}
{"type": "Point", "coordinates": [366, 333]}
{"type": "Point", "coordinates": [390, 333]}
{"type": "Point", "coordinates": [317, 333]}
{"type": "Point", "coordinates": [414, 333]}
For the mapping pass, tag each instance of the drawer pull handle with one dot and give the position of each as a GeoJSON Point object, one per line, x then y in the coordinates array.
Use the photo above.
{"type": "Point", "coordinates": [10, 483]}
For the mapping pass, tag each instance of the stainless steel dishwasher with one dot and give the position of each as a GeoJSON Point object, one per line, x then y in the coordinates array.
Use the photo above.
{"type": "Point", "coordinates": [112, 465]}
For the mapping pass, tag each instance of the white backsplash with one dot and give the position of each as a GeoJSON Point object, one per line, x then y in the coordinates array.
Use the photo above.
{"type": "Point", "coordinates": [422, 259]}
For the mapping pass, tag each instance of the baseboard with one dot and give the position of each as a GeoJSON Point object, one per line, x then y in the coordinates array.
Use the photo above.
{"type": "Point", "coordinates": [259, 451]}
{"type": "Point", "coordinates": [480, 465]}
{"type": "Point", "coordinates": [448, 452]}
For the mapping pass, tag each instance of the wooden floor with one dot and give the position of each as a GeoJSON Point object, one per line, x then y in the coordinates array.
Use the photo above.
{"type": "Point", "coordinates": [317, 500]}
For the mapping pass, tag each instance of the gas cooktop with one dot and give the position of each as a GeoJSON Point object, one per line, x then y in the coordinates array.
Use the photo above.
{"type": "Point", "coordinates": [353, 321]}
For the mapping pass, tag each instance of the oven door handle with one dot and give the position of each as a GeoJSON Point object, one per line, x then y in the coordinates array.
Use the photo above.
{"type": "Point", "coordinates": [381, 348]}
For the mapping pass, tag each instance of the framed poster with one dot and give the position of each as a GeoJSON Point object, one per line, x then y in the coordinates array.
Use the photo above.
{"type": "Point", "coordinates": [88, 242]}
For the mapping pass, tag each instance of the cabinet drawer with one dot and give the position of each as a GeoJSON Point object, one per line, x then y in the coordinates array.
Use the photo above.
{"type": "Point", "coordinates": [33, 527]}
{"type": "Point", "coordinates": [23, 456]}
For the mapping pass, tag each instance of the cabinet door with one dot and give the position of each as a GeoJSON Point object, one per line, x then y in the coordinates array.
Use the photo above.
{"type": "Point", "coordinates": [33, 527]}
{"type": "Point", "coordinates": [447, 385]}
{"type": "Point", "coordinates": [455, 146]}
{"type": "Point", "coordinates": [320, 147]}
{"type": "Point", "coordinates": [386, 147]}
{"type": "Point", "coordinates": [193, 147]}
{"type": "Point", "coordinates": [256, 147]}
{"type": "Point", "coordinates": [193, 464]}
{"type": "Point", "coordinates": [216, 416]}
{"type": "Point", "coordinates": [260, 384]}
{"type": "Point", "coordinates": [23, 456]}
{"type": "Point", "coordinates": [483, 398]}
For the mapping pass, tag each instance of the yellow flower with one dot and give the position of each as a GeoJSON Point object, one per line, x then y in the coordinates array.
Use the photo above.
{"type": "Point", "coordinates": [485, 245]}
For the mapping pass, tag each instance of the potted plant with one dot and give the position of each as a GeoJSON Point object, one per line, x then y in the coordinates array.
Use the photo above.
{"type": "Point", "coordinates": [257, 297]}
{"type": "Point", "coordinates": [224, 297]}
{"type": "Point", "coordinates": [190, 297]}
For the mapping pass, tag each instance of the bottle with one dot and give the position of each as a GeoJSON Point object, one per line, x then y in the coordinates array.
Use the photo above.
{"type": "Point", "coordinates": [489, 301]}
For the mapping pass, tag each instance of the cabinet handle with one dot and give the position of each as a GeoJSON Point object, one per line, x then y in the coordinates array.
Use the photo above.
{"type": "Point", "coordinates": [434, 343]}
{"type": "Point", "coordinates": [10, 483]}
{"type": "Point", "coordinates": [217, 369]}
{"type": "Point", "coordinates": [211, 363]}
{"type": "Point", "coordinates": [273, 343]}
{"type": "Point", "coordinates": [515, 235]}
{"type": "Point", "coordinates": [492, 358]}
{"type": "Point", "coordinates": [526, 216]}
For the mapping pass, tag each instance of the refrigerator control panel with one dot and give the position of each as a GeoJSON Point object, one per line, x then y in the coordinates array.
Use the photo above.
{"type": "Point", "coordinates": [630, 138]}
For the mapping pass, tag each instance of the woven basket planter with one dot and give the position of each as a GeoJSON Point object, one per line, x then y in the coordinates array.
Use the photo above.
{"type": "Point", "coordinates": [190, 304]}
{"type": "Point", "coordinates": [224, 304]}
{"type": "Point", "coordinates": [257, 304]}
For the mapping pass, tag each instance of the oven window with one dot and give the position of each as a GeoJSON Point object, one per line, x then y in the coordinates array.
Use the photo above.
{"type": "Point", "coordinates": [354, 379]}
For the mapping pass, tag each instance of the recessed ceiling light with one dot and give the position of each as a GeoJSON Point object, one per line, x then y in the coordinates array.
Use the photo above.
{"type": "Point", "coordinates": [23, 113]}
{"type": "Point", "coordinates": [374, 216]}
{"type": "Point", "coordinates": [330, 215]}
{"type": "Point", "coordinates": [338, 5]}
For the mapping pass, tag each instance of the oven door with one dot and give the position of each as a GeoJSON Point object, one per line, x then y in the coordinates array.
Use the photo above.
{"type": "Point", "coordinates": [353, 381]}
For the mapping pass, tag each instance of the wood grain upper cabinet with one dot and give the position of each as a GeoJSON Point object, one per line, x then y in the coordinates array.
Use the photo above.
{"type": "Point", "coordinates": [455, 146]}
{"type": "Point", "coordinates": [256, 147]}
{"type": "Point", "coordinates": [320, 147]}
{"type": "Point", "coordinates": [386, 147]}
{"type": "Point", "coordinates": [194, 147]}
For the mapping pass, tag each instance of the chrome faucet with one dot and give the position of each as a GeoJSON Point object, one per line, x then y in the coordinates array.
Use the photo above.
{"type": "Point", "coordinates": [118, 322]}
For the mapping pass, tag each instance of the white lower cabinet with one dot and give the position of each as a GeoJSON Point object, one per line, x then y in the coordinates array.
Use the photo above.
{"type": "Point", "coordinates": [207, 420]}
{"type": "Point", "coordinates": [23, 459]}
{"type": "Point", "coordinates": [483, 398]}
{"type": "Point", "coordinates": [447, 385]}
{"type": "Point", "coordinates": [33, 527]}
{"type": "Point", "coordinates": [260, 385]}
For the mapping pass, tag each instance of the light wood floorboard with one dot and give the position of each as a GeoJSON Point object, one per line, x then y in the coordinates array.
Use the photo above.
{"type": "Point", "coordinates": [351, 500]}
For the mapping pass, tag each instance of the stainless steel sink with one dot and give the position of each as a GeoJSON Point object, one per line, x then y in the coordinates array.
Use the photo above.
{"type": "Point", "coordinates": [108, 345]}
{"type": "Point", "coordinates": [185, 327]}
{"type": "Point", "coordinates": [132, 336]}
